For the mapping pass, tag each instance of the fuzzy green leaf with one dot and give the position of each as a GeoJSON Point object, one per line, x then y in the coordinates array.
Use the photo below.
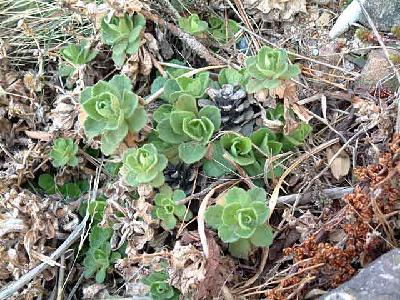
{"type": "Point", "coordinates": [213, 216]}
{"type": "Point", "coordinates": [64, 153]}
{"type": "Point", "coordinates": [192, 152]}
{"type": "Point", "coordinates": [240, 249]}
{"type": "Point", "coordinates": [262, 237]}
{"type": "Point", "coordinates": [226, 234]}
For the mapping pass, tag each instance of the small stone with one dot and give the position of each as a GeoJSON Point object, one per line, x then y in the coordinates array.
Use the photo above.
{"type": "Point", "coordinates": [378, 281]}
{"type": "Point", "coordinates": [377, 73]}
{"type": "Point", "coordinates": [384, 13]}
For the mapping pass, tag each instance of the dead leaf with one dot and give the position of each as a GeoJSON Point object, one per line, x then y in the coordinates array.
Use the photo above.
{"type": "Point", "coordinates": [341, 165]}
{"type": "Point", "coordinates": [277, 9]}
{"type": "Point", "coordinates": [39, 135]}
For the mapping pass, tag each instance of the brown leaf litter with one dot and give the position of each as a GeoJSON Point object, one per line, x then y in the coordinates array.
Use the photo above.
{"type": "Point", "coordinates": [366, 225]}
{"type": "Point", "coordinates": [30, 228]}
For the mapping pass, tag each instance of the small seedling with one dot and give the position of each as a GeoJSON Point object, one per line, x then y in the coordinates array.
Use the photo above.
{"type": "Point", "coordinates": [75, 57]}
{"type": "Point", "coordinates": [167, 210]}
{"type": "Point", "coordinates": [193, 25]}
{"type": "Point", "coordinates": [230, 148]}
{"type": "Point", "coordinates": [113, 111]}
{"type": "Point", "coordinates": [241, 220]}
{"type": "Point", "coordinates": [123, 34]}
{"type": "Point", "coordinates": [99, 257]}
{"type": "Point", "coordinates": [64, 153]}
{"type": "Point", "coordinates": [223, 30]}
{"type": "Point", "coordinates": [189, 128]}
{"type": "Point", "coordinates": [144, 165]}
{"type": "Point", "coordinates": [160, 289]}
{"type": "Point", "coordinates": [47, 183]}
{"type": "Point", "coordinates": [268, 69]}
{"type": "Point", "coordinates": [196, 87]}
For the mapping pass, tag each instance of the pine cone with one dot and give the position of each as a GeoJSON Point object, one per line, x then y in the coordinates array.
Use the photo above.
{"type": "Point", "coordinates": [237, 113]}
{"type": "Point", "coordinates": [180, 176]}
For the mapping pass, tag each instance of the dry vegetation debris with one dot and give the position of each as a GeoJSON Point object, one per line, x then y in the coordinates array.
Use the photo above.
{"type": "Point", "coordinates": [304, 136]}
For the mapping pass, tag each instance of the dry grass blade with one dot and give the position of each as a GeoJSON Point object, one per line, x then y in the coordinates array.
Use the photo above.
{"type": "Point", "coordinates": [275, 194]}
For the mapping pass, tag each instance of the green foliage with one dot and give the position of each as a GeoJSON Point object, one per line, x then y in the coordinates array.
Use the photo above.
{"type": "Point", "coordinates": [167, 210]}
{"type": "Point", "coordinates": [193, 25]}
{"type": "Point", "coordinates": [99, 256]}
{"type": "Point", "coordinates": [189, 128]}
{"type": "Point", "coordinates": [196, 87]}
{"type": "Point", "coordinates": [268, 69]}
{"type": "Point", "coordinates": [112, 168]}
{"type": "Point", "coordinates": [123, 34]}
{"type": "Point", "coordinates": [171, 73]}
{"type": "Point", "coordinates": [222, 30]}
{"type": "Point", "coordinates": [47, 183]}
{"type": "Point", "coordinates": [64, 153]}
{"type": "Point", "coordinates": [241, 220]}
{"type": "Point", "coordinates": [231, 147]}
{"type": "Point", "coordinates": [160, 289]}
{"type": "Point", "coordinates": [144, 165]}
{"type": "Point", "coordinates": [230, 76]}
{"type": "Point", "coordinates": [68, 190]}
{"type": "Point", "coordinates": [75, 56]}
{"type": "Point", "coordinates": [95, 209]}
{"type": "Point", "coordinates": [113, 111]}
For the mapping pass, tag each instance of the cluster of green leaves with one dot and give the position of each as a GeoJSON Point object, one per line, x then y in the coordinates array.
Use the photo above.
{"type": "Point", "coordinates": [196, 87]}
{"type": "Point", "coordinates": [160, 289]}
{"type": "Point", "coordinates": [113, 111]}
{"type": "Point", "coordinates": [95, 208]}
{"type": "Point", "coordinates": [74, 57]}
{"type": "Point", "coordinates": [171, 72]}
{"type": "Point", "coordinates": [231, 76]}
{"type": "Point", "coordinates": [223, 30]}
{"type": "Point", "coordinates": [193, 25]}
{"type": "Point", "coordinates": [167, 210]}
{"type": "Point", "coordinates": [123, 34]}
{"type": "Point", "coordinates": [99, 257]}
{"type": "Point", "coordinates": [68, 190]}
{"type": "Point", "coordinates": [241, 220]}
{"type": "Point", "coordinates": [64, 153]}
{"type": "Point", "coordinates": [144, 165]}
{"type": "Point", "coordinates": [268, 69]}
{"type": "Point", "coordinates": [182, 124]}
{"type": "Point", "coordinates": [251, 152]}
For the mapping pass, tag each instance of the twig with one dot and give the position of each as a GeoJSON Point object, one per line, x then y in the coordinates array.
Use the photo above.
{"type": "Point", "coordinates": [192, 42]}
{"type": "Point", "coordinates": [327, 167]}
{"type": "Point", "coordinates": [60, 290]}
{"type": "Point", "coordinates": [333, 193]}
{"type": "Point", "coordinates": [274, 197]}
{"type": "Point", "coordinates": [200, 221]}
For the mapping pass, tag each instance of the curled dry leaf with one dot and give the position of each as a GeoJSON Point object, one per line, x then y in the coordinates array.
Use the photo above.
{"type": "Point", "coordinates": [187, 269]}
{"type": "Point", "coordinates": [125, 6]}
{"type": "Point", "coordinates": [341, 165]}
{"type": "Point", "coordinates": [276, 9]}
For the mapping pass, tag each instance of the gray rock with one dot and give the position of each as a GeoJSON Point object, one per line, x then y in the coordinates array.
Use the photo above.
{"type": "Point", "coordinates": [378, 281]}
{"type": "Point", "coordinates": [377, 73]}
{"type": "Point", "coordinates": [384, 13]}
